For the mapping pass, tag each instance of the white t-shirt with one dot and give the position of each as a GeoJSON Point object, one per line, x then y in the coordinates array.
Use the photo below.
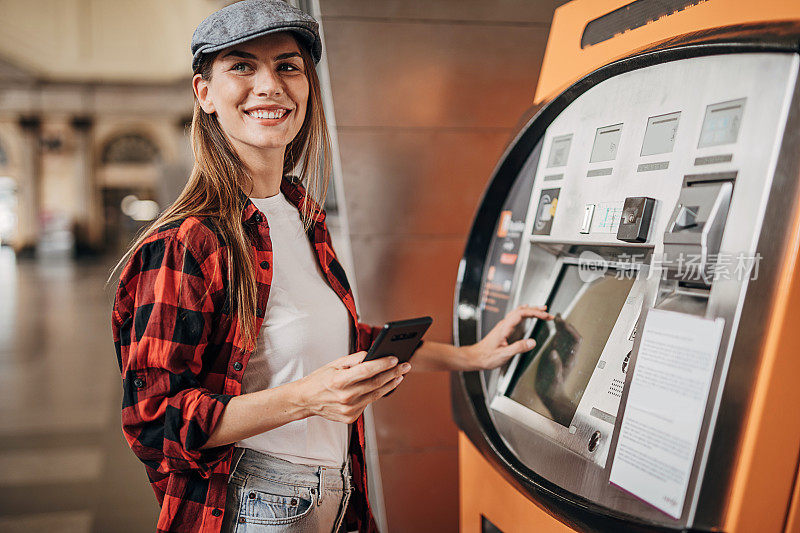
{"type": "Point", "coordinates": [306, 326]}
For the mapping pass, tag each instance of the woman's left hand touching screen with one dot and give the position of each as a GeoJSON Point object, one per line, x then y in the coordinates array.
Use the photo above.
{"type": "Point", "coordinates": [338, 391]}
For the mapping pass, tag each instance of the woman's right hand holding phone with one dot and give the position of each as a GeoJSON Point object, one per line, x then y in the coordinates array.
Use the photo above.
{"type": "Point", "coordinates": [342, 389]}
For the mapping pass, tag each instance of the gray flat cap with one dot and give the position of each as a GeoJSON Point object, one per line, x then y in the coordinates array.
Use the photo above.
{"type": "Point", "coordinates": [248, 19]}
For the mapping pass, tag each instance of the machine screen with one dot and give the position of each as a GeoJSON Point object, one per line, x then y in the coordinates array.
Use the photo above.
{"type": "Point", "coordinates": [559, 151]}
{"type": "Point", "coordinates": [659, 138]}
{"type": "Point", "coordinates": [551, 378]}
{"type": "Point", "coordinates": [721, 123]}
{"type": "Point", "coordinates": [606, 142]}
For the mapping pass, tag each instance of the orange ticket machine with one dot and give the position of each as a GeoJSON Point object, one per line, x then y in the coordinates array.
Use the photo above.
{"type": "Point", "coordinates": [652, 201]}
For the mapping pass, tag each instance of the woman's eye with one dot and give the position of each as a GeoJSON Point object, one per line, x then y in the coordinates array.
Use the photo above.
{"type": "Point", "coordinates": [289, 67]}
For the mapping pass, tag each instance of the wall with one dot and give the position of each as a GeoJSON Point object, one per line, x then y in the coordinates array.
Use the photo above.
{"type": "Point", "coordinates": [426, 97]}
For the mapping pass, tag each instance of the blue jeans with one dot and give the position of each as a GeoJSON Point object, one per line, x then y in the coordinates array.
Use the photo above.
{"type": "Point", "coordinates": [270, 495]}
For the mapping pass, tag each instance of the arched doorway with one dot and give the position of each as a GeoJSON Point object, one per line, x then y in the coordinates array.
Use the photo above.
{"type": "Point", "coordinates": [129, 168]}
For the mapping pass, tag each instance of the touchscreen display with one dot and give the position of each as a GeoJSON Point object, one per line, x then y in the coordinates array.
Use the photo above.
{"type": "Point", "coordinates": [551, 378]}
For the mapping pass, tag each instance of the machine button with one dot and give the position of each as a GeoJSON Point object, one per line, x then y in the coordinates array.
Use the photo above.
{"type": "Point", "coordinates": [216, 512]}
{"type": "Point", "coordinates": [637, 213]}
{"type": "Point", "coordinates": [588, 213]}
{"type": "Point", "coordinates": [237, 366]}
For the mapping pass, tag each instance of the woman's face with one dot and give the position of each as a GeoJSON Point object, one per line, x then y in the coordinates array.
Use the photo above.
{"type": "Point", "coordinates": [259, 92]}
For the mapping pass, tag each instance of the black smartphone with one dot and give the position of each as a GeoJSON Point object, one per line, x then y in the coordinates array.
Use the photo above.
{"type": "Point", "coordinates": [400, 339]}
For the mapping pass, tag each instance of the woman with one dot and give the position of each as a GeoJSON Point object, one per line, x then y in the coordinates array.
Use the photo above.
{"type": "Point", "coordinates": [233, 319]}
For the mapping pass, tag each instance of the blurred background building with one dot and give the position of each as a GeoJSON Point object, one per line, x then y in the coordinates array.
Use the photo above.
{"type": "Point", "coordinates": [94, 103]}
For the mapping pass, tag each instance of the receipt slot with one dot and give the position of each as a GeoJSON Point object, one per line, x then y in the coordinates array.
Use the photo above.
{"type": "Point", "coordinates": [694, 230]}
{"type": "Point", "coordinates": [651, 200]}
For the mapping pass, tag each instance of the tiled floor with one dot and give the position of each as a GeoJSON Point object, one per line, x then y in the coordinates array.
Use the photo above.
{"type": "Point", "coordinates": [64, 466]}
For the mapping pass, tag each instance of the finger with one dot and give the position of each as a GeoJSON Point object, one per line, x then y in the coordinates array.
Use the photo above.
{"type": "Point", "coordinates": [535, 312]}
{"type": "Point", "coordinates": [518, 347]}
{"type": "Point", "coordinates": [370, 369]}
{"type": "Point", "coordinates": [520, 312]}
{"type": "Point", "coordinates": [368, 385]}
{"type": "Point", "coordinates": [383, 391]}
{"type": "Point", "coordinates": [349, 360]}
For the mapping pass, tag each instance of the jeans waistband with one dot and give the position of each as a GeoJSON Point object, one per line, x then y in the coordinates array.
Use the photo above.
{"type": "Point", "coordinates": [253, 462]}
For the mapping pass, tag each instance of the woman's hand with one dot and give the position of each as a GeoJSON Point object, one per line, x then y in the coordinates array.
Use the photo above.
{"type": "Point", "coordinates": [493, 350]}
{"type": "Point", "coordinates": [342, 389]}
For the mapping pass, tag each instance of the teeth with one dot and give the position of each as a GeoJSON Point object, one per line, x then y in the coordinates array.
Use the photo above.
{"type": "Point", "coordinates": [261, 113]}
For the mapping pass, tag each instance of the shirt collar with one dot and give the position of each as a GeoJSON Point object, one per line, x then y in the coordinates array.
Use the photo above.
{"type": "Point", "coordinates": [294, 192]}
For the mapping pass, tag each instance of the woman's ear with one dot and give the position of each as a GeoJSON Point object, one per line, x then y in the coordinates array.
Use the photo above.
{"type": "Point", "coordinates": [200, 87]}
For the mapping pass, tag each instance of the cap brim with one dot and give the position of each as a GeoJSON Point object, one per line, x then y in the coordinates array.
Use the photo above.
{"type": "Point", "coordinates": [308, 37]}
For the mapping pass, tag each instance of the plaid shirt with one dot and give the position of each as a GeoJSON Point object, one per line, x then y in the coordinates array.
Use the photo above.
{"type": "Point", "coordinates": [182, 358]}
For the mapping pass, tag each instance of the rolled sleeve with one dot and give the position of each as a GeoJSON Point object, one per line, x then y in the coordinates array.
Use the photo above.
{"type": "Point", "coordinates": [163, 315]}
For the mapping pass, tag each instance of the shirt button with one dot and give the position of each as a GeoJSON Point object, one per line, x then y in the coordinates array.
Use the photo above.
{"type": "Point", "coordinates": [259, 313]}
{"type": "Point", "coordinates": [237, 366]}
{"type": "Point", "coordinates": [138, 383]}
{"type": "Point", "coordinates": [216, 512]}
{"type": "Point", "coordinates": [242, 520]}
{"type": "Point", "coordinates": [252, 495]}
{"type": "Point", "coordinates": [258, 217]}
{"type": "Point", "coordinates": [265, 265]}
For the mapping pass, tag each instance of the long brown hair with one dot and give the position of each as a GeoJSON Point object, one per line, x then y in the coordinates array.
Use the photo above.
{"type": "Point", "coordinates": [217, 175]}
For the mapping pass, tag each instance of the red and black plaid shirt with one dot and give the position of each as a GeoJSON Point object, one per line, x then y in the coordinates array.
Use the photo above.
{"type": "Point", "coordinates": [182, 357]}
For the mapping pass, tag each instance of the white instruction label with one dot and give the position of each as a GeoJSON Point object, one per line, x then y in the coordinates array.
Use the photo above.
{"type": "Point", "coordinates": [665, 408]}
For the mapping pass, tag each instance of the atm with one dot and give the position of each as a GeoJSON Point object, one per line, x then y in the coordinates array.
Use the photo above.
{"type": "Point", "coordinates": [651, 199]}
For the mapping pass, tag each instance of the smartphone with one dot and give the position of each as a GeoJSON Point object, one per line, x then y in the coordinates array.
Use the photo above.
{"type": "Point", "coordinates": [400, 339]}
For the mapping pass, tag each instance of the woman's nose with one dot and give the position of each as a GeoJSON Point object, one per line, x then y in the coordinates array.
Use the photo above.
{"type": "Point", "coordinates": [267, 83]}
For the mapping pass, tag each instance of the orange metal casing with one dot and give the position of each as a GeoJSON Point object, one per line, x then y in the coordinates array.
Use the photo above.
{"type": "Point", "coordinates": [765, 494]}
{"type": "Point", "coordinates": [484, 492]}
{"type": "Point", "coordinates": [566, 62]}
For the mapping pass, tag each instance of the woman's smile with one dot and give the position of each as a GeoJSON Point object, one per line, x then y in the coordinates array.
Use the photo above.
{"type": "Point", "coordinates": [268, 115]}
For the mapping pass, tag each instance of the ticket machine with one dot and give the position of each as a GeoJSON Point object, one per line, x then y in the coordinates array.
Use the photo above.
{"type": "Point", "coordinates": [652, 201]}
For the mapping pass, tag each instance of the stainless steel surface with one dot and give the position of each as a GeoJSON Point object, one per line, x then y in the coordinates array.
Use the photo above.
{"type": "Point", "coordinates": [767, 82]}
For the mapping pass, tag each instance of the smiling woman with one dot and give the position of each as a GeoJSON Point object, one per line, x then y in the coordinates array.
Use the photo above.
{"type": "Point", "coordinates": [233, 318]}
{"type": "Point", "coordinates": [260, 94]}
